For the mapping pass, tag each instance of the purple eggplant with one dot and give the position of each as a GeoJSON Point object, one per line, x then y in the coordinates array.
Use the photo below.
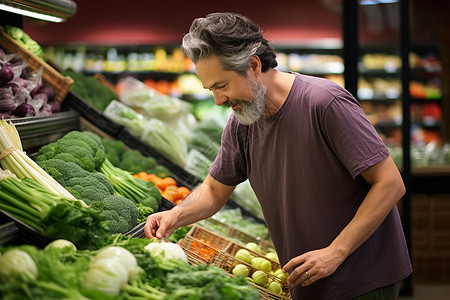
{"type": "Point", "coordinates": [24, 110]}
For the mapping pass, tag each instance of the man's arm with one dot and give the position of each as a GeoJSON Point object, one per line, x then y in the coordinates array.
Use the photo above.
{"type": "Point", "coordinates": [202, 203]}
{"type": "Point", "coordinates": [387, 189]}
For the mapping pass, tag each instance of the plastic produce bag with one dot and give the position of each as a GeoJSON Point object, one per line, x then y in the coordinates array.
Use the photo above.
{"type": "Point", "coordinates": [244, 195]}
{"type": "Point", "coordinates": [135, 93]}
{"type": "Point", "coordinates": [166, 108]}
{"type": "Point", "coordinates": [167, 142]}
{"type": "Point", "coordinates": [125, 116]}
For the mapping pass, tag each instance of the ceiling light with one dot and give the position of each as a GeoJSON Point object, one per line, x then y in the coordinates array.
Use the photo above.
{"type": "Point", "coordinates": [48, 10]}
{"type": "Point", "coordinates": [30, 13]}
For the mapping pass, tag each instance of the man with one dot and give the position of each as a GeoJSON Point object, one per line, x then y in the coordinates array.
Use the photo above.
{"type": "Point", "coordinates": [326, 183]}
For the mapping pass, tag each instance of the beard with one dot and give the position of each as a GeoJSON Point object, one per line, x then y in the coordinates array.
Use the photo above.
{"type": "Point", "coordinates": [251, 110]}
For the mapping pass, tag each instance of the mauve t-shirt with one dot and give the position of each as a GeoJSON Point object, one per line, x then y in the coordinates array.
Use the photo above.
{"type": "Point", "coordinates": [303, 163]}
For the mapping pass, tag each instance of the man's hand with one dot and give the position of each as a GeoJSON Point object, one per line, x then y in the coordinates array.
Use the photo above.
{"type": "Point", "coordinates": [160, 225]}
{"type": "Point", "coordinates": [312, 266]}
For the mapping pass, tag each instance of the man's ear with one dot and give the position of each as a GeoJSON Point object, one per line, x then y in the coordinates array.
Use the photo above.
{"type": "Point", "coordinates": [255, 65]}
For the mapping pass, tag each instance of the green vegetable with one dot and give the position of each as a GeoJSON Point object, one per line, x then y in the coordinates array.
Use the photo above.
{"type": "Point", "coordinates": [107, 275]}
{"type": "Point", "coordinates": [143, 212]}
{"type": "Point", "coordinates": [166, 250]}
{"type": "Point", "coordinates": [51, 214]}
{"type": "Point", "coordinates": [273, 256]}
{"type": "Point", "coordinates": [78, 147]}
{"type": "Point", "coordinates": [261, 263]}
{"type": "Point", "coordinates": [134, 162]}
{"type": "Point", "coordinates": [25, 40]}
{"type": "Point", "coordinates": [164, 140]}
{"type": "Point", "coordinates": [131, 187]}
{"type": "Point", "coordinates": [81, 183]}
{"type": "Point", "coordinates": [114, 150]}
{"type": "Point", "coordinates": [91, 90]}
{"type": "Point", "coordinates": [243, 255]}
{"type": "Point", "coordinates": [110, 270]}
{"type": "Point", "coordinates": [259, 277]}
{"type": "Point", "coordinates": [62, 243]}
{"type": "Point", "coordinates": [200, 141]}
{"type": "Point", "coordinates": [198, 164]}
{"type": "Point", "coordinates": [23, 166]}
{"type": "Point", "coordinates": [120, 212]}
{"type": "Point", "coordinates": [125, 116]}
{"type": "Point", "coordinates": [254, 247]}
{"type": "Point", "coordinates": [17, 264]}
{"type": "Point", "coordinates": [275, 287]}
{"type": "Point", "coordinates": [179, 233]}
{"type": "Point", "coordinates": [240, 270]}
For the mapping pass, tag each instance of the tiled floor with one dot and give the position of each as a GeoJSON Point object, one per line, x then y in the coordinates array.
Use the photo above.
{"type": "Point", "coordinates": [429, 292]}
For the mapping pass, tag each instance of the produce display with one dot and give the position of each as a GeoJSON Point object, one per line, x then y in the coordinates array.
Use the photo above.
{"type": "Point", "coordinates": [122, 268]}
{"type": "Point", "coordinates": [262, 269]}
{"type": "Point", "coordinates": [167, 186]}
{"type": "Point", "coordinates": [91, 90]}
{"type": "Point", "coordinates": [22, 91]}
{"type": "Point", "coordinates": [25, 40]}
{"type": "Point", "coordinates": [132, 160]}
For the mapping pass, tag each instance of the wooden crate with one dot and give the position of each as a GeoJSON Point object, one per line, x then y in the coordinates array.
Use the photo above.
{"type": "Point", "coordinates": [232, 232]}
{"type": "Point", "coordinates": [204, 243]}
{"type": "Point", "coordinates": [50, 76]}
{"type": "Point", "coordinates": [227, 262]}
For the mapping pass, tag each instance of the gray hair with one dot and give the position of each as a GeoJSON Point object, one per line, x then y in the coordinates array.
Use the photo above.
{"type": "Point", "coordinates": [232, 37]}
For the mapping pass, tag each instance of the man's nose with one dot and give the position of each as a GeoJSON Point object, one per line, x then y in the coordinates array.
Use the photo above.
{"type": "Point", "coordinates": [220, 98]}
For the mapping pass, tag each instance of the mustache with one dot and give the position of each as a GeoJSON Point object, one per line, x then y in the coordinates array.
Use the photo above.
{"type": "Point", "coordinates": [233, 102]}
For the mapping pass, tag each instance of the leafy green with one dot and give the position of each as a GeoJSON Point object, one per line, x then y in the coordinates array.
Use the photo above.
{"type": "Point", "coordinates": [25, 40]}
{"type": "Point", "coordinates": [131, 187]}
{"type": "Point", "coordinates": [91, 90]}
{"type": "Point", "coordinates": [167, 142]}
{"type": "Point", "coordinates": [52, 215]}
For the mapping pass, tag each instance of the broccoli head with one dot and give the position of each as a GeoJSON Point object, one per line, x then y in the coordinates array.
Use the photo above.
{"type": "Point", "coordinates": [113, 150]}
{"type": "Point", "coordinates": [61, 170]}
{"type": "Point", "coordinates": [134, 162]}
{"type": "Point", "coordinates": [46, 152]}
{"type": "Point", "coordinates": [120, 212]}
{"type": "Point", "coordinates": [90, 188]}
{"type": "Point", "coordinates": [94, 143]}
{"type": "Point", "coordinates": [79, 155]}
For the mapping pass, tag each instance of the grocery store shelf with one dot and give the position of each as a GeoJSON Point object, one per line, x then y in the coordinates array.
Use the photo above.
{"type": "Point", "coordinates": [40, 130]}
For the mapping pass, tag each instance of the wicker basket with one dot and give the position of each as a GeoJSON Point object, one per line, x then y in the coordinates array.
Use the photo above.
{"type": "Point", "coordinates": [204, 243]}
{"type": "Point", "coordinates": [233, 248]}
{"type": "Point", "coordinates": [227, 262]}
{"type": "Point", "coordinates": [232, 232]}
{"type": "Point", "coordinates": [50, 76]}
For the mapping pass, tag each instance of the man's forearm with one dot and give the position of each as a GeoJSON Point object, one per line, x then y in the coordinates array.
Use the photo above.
{"type": "Point", "coordinates": [202, 203]}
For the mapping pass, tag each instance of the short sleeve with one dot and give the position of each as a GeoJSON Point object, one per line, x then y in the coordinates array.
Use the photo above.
{"type": "Point", "coordinates": [351, 135]}
{"type": "Point", "coordinates": [229, 166]}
